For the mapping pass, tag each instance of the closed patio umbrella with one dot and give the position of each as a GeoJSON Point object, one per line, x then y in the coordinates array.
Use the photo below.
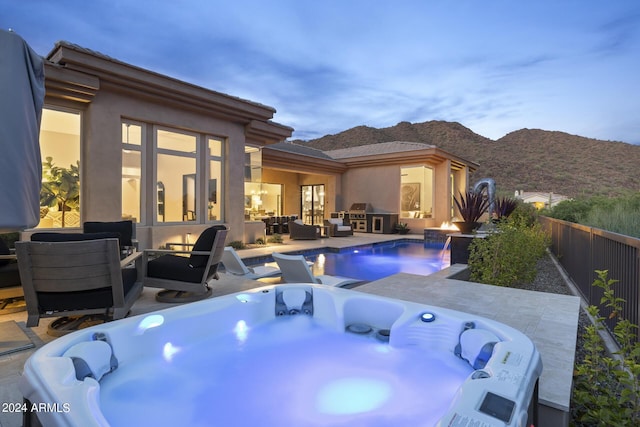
{"type": "Point", "coordinates": [21, 100]}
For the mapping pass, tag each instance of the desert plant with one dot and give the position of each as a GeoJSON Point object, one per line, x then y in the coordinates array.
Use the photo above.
{"type": "Point", "coordinates": [60, 186]}
{"type": "Point", "coordinates": [607, 389]}
{"type": "Point", "coordinates": [471, 206]}
{"type": "Point", "coordinates": [275, 238]}
{"type": "Point", "coordinates": [237, 244]}
{"type": "Point", "coordinates": [504, 206]}
{"type": "Point", "coordinates": [509, 255]}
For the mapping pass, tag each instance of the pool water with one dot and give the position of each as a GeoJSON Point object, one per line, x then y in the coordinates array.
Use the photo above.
{"type": "Point", "coordinates": [378, 261]}
{"type": "Point", "coordinates": [289, 371]}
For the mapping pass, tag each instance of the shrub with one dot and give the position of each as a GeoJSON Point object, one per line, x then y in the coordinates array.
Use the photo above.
{"type": "Point", "coordinates": [237, 245]}
{"type": "Point", "coordinates": [607, 389]}
{"type": "Point", "coordinates": [276, 238]}
{"type": "Point", "coordinates": [509, 255]}
{"type": "Point", "coordinates": [524, 214]}
{"type": "Point", "coordinates": [620, 216]}
{"type": "Point", "coordinates": [260, 241]}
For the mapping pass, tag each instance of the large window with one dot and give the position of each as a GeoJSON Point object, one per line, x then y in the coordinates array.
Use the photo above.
{"type": "Point", "coordinates": [176, 176]}
{"type": "Point", "coordinates": [60, 149]}
{"type": "Point", "coordinates": [132, 137]}
{"type": "Point", "coordinates": [260, 199]}
{"type": "Point", "coordinates": [416, 192]}
{"type": "Point", "coordinates": [187, 170]}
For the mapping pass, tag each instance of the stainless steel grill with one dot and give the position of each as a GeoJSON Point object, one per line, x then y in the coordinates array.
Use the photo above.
{"type": "Point", "coordinates": [358, 216]}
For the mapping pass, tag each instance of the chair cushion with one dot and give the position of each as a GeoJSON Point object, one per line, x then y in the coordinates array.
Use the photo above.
{"type": "Point", "coordinates": [336, 221]}
{"type": "Point", "coordinates": [124, 228]}
{"type": "Point", "coordinates": [174, 267]}
{"type": "Point", "coordinates": [4, 250]}
{"type": "Point", "coordinates": [204, 243]}
{"type": "Point", "coordinates": [94, 298]}
{"type": "Point", "coordinates": [343, 228]}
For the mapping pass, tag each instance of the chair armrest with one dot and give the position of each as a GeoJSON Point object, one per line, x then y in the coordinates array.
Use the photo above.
{"type": "Point", "coordinates": [10, 256]}
{"type": "Point", "coordinates": [184, 245]}
{"type": "Point", "coordinates": [172, 251]}
{"type": "Point", "coordinates": [130, 258]}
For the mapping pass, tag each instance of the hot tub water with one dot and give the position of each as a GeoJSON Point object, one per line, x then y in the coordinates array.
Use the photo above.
{"type": "Point", "coordinates": [288, 371]}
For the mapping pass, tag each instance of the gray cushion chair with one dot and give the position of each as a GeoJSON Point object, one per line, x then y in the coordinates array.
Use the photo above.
{"type": "Point", "coordinates": [338, 227]}
{"type": "Point", "coordinates": [184, 274]}
{"type": "Point", "coordinates": [299, 231]}
{"type": "Point", "coordinates": [78, 276]}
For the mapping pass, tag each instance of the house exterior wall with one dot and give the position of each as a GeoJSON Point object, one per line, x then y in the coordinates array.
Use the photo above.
{"type": "Point", "coordinates": [106, 92]}
{"type": "Point", "coordinates": [377, 185]}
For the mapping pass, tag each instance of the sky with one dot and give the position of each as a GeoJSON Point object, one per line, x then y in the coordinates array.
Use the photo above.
{"type": "Point", "coordinates": [495, 66]}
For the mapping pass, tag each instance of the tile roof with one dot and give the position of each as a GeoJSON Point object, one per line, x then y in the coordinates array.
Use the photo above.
{"type": "Point", "coordinates": [357, 151]}
{"type": "Point", "coordinates": [376, 149]}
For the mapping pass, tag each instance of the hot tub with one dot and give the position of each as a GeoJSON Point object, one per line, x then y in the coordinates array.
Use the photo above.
{"type": "Point", "coordinates": [298, 355]}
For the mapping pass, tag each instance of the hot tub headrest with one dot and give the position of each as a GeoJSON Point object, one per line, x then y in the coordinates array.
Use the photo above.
{"type": "Point", "coordinates": [92, 359]}
{"type": "Point", "coordinates": [476, 346]}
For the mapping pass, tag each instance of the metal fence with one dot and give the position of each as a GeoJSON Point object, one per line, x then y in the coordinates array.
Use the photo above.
{"type": "Point", "coordinates": [581, 250]}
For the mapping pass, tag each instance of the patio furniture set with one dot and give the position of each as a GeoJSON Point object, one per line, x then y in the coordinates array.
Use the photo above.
{"type": "Point", "coordinates": [97, 275]}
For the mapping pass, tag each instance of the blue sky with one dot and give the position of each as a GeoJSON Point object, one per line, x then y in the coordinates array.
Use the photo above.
{"type": "Point", "coordinates": [495, 66]}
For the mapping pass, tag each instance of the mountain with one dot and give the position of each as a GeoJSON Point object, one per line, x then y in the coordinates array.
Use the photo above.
{"type": "Point", "coordinates": [527, 159]}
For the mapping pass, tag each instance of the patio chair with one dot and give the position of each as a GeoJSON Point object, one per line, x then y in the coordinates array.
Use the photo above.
{"type": "Point", "coordinates": [300, 231]}
{"type": "Point", "coordinates": [184, 274]}
{"type": "Point", "coordinates": [295, 269]}
{"type": "Point", "coordinates": [126, 230]}
{"type": "Point", "coordinates": [10, 286]}
{"type": "Point", "coordinates": [338, 227]}
{"type": "Point", "coordinates": [82, 279]}
{"type": "Point", "coordinates": [233, 264]}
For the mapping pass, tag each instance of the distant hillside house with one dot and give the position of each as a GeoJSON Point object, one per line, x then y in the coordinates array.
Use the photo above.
{"type": "Point", "coordinates": [539, 199]}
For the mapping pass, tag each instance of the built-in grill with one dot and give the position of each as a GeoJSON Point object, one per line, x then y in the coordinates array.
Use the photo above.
{"type": "Point", "coordinates": [358, 216]}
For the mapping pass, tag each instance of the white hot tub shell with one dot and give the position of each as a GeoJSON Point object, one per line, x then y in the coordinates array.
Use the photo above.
{"type": "Point", "coordinates": [68, 382]}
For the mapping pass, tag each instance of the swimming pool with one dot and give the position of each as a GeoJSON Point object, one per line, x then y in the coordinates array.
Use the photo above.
{"type": "Point", "coordinates": [294, 355]}
{"type": "Point", "coordinates": [373, 262]}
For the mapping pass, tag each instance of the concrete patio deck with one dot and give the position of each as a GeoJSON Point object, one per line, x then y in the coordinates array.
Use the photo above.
{"type": "Point", "coordinates": [550, 320]}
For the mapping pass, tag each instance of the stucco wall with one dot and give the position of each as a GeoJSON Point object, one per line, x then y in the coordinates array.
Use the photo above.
{"type": "Point", "coordinates": [377, 185]}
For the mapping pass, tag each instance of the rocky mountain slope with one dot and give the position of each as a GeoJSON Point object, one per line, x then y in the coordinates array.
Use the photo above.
{"type": "Point", "coordinates": [527, 159]}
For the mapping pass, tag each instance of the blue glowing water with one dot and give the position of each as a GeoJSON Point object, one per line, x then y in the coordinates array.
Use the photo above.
{"type": "Point", "coordinates": [289, 371]}
{"type": "Point", "coordinates": [375, 262]}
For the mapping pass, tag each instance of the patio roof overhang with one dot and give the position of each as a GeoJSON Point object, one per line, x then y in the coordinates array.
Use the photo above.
{"type": "Point", "coordinates": [295, 162]}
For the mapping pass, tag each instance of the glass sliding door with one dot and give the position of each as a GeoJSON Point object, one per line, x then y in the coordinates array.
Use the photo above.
{"type": "Point", "coordinates": [312, 204]}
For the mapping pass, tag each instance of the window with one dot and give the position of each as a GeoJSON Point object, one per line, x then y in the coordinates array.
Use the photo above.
{"type": "Point", "coordinates": [416, 192]}
{"type": "Point", "coordinates": [132, 137]}
{"type": "Point", "coordinates": [60, 150]}
{"type": "Point", "coordinates": [176, 176]}
{"type": "Point", "coordinates": [214, 184]}
{"type": "Point", "coordinates": [262, 199]}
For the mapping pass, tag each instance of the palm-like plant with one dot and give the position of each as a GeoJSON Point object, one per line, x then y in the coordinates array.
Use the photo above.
{"type": "Point", "coordinates": [471, 206]}
{"type": "Point", "coordinates": [60, 186]}
{"type": "Point", "coordinates": [505, 206]}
